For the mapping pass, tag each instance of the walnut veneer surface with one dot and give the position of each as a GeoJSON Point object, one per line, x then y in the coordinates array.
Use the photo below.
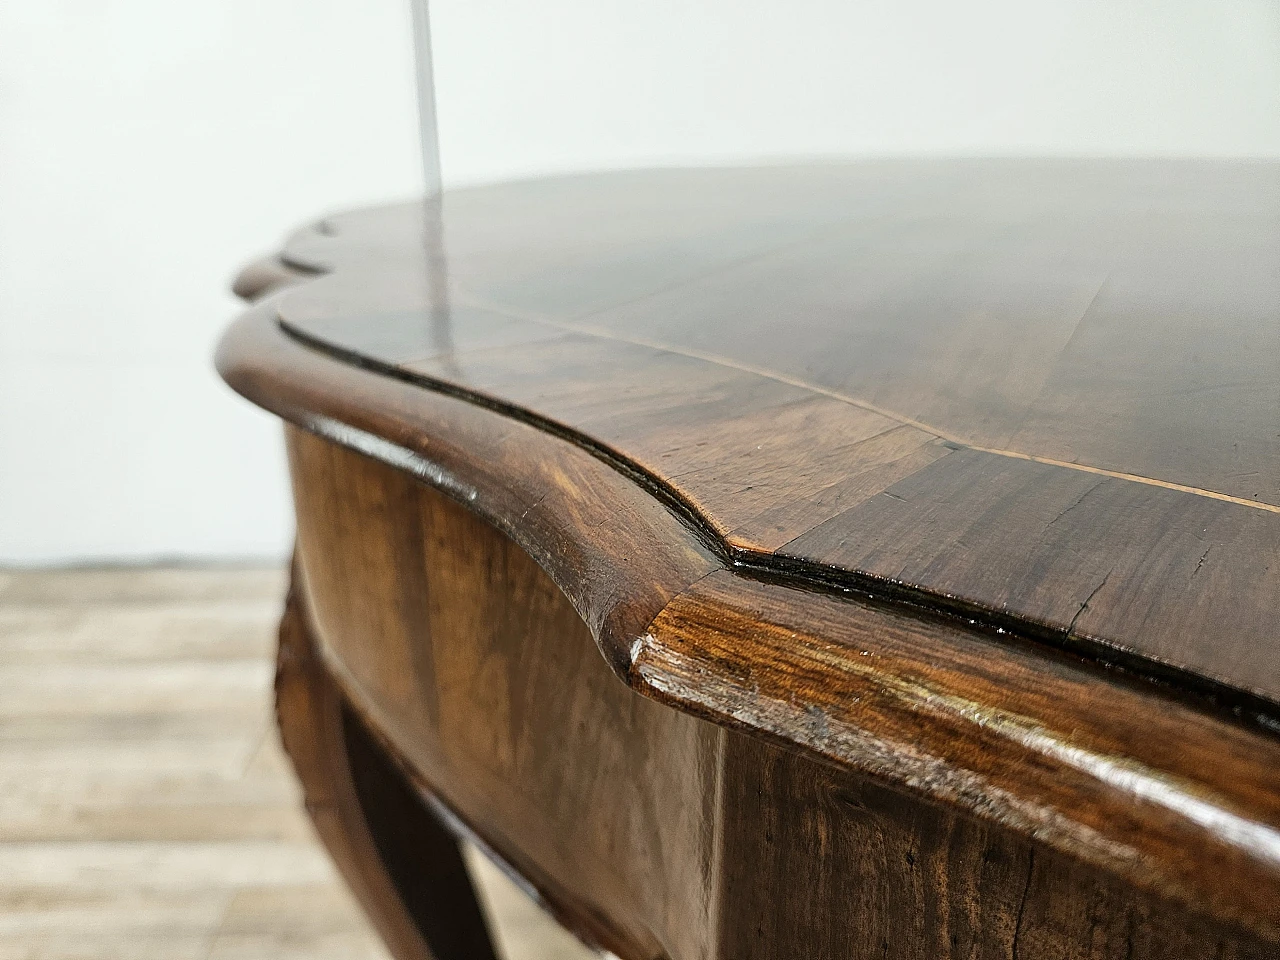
{"type": "Point", "coordinates": [960, 479]}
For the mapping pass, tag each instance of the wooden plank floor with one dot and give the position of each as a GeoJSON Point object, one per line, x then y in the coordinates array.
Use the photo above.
{"type": "Point", "coordinates": [146, 810]}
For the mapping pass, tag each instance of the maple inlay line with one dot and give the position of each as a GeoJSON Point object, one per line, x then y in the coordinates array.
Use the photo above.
{"type": "Point", "coordinates": [861, 404]}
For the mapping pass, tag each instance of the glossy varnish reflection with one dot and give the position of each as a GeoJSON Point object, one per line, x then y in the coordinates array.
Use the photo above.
{"type": "Point", "coordinates": [886, 468]}
{"type": "Point", "coordinates": [657, 834]}
{"type": "Point", "coordinates": [795, 352]}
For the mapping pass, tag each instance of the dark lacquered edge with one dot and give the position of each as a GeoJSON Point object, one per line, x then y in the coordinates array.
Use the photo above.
{"type": "Point", "coordinates": [531, 486]}
{"type": "Point", "coordinates": [312, 252]}
{"type": "Point", "coordinates": [455, 446]}
{"type": "Point", "coordinates": [1145, 786]}
{"type": "Point", "coordinates": [1245, 705]}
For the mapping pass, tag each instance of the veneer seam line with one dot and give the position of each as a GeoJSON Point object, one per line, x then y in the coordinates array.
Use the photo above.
{"type": "Point", "coordinates": [902, 419]}
{"type": "Point", "coordinates": [761, 565]}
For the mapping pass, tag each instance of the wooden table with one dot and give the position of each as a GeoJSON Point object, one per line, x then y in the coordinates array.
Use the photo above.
{"type": "Point", "coordinates": [871, 560]}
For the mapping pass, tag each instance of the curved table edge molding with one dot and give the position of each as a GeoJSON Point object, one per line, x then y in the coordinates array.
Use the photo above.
{"type": "Point", "coordinates": [1107, 768]}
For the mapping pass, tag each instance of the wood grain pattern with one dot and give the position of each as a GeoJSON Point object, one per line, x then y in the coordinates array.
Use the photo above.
{"type": "Point", "coordinates": [1069, 757]}
{"type": "Point", "coordinates": [587, 544]}
{"type": "Point", "coordinates": [660, 835]}
{"type": "Point", "coordinates": [463, 653]}
{"type": "Point", "coordinates": [949, 480]}
{"type": "Point", "coordinates": [619, 554]}
{"type": "Point", "coordinates": [970, 332]}
{"type": "Point", "coordinates": [405, 870]}
{"type": "Point", "coordinates": [148, 812]}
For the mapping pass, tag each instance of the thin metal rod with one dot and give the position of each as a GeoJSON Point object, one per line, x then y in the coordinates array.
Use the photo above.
{"type": "Point", "coordinates": [426, 99]}
{"type": "Point", "coordinates": [439, 314]}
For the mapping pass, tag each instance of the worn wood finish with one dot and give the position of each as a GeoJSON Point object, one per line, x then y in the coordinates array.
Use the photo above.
{"type": "Point", "coordinates": [619, 554]}
{"type": "Point", "coordinates": [591, 553]}
{"type": "Point", "coordinates": [989, 342]}
{"type": "Point", "coordinates": [1065, 756]}
{"type": "Point", "coordinates": [661, 835]}
{"type": "Point", "coordinates": [405, 869]}
{"type": "Point", "coordinates": [468, 658]}
{"type": "Point", "coordinates": [875, 474]}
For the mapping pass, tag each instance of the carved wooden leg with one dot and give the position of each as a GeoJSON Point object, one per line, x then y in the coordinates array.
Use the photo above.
{"type": "Point", "coordinates": [403, 866]}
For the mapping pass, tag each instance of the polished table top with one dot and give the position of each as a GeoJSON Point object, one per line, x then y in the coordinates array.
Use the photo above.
{"type": "Point", "coordinates": [1034, 406]}
{"type": "Point", "coordinates": [1050, 391]}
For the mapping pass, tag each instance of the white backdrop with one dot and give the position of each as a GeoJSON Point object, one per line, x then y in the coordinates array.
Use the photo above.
{"type": "Point", "coordinates": [147, 148]}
